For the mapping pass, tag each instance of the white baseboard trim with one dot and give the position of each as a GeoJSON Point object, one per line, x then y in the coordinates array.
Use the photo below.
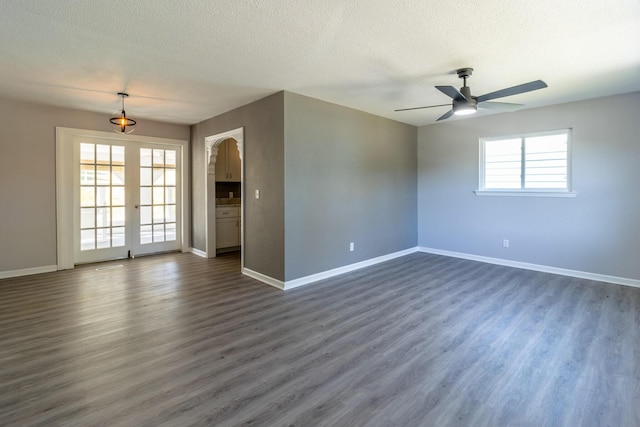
{"type": "Point", "coordinates": [28, 271]}
{"type": "Point", "coordinates": [285, 286]}
{"type": "Point", "coordinates": [264, 278]}
{"type": "Point", "coordinates": [198, 252]}
{"type": "Point", "coordinates": [536, 267]}
{"type": "Point", "coordinates": [345, 269]}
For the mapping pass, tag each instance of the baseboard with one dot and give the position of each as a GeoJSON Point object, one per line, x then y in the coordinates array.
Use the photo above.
{"type": "Point", "coordinates": [28, 271]}
{"type": "Point", "coordinates": [263, 278]}
{"type": "Point", "coordinates": [345, 269]}
{"type": "Point", "coordinates": [198, 252]}
{"type": "Point", "coordinates": [536, 267]}
{"type": "Point", "coordinates": [325, 274]}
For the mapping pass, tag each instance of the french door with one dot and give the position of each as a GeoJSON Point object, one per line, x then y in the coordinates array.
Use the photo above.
{"type": "Point", "coordinates": [127, 198]}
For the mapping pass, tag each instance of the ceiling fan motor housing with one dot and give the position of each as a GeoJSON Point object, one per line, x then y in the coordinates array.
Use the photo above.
{"type": "Point", "coordinates": [470, 101]}
{"type": "Point", "coordinates": [466, 92]}
{"type": "Point", "coordinates": [466, 105]}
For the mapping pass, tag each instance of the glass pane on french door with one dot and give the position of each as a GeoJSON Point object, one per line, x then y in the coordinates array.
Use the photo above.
{"type": "Point", "coordinates": [127, 199]}
{"type": "Point", "coordinates": [158, 208]}
{"type": "Point", "coordinates": [101, 205]}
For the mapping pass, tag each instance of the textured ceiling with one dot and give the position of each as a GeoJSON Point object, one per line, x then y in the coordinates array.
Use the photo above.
{"type": "Point", "coordinates": [187, 61]}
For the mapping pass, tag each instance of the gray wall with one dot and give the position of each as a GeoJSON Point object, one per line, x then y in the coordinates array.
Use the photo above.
{"type": "Point", "coordinates": [597, 232]}
{"type": "Point", "coordinates": [263, 123]}
{"type": "Point", "coordinates": [349, 177]}
{"type": "Point", "coordinates": [28, 178]}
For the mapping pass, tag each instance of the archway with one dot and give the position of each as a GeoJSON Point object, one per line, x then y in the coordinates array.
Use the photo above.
{"type": "Point", "coordinates": [211, 144]}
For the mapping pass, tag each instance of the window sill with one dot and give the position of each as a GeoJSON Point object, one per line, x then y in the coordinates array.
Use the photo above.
{"type": "Point", "coordinates": [517, 193]}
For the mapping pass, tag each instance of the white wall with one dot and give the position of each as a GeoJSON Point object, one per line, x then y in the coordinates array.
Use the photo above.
{"type": "Point", "coordinates": [596, 232]}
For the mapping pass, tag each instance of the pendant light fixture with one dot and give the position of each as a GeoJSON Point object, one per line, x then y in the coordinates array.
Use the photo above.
{"type": "Point", "coordinates": [120, 121]}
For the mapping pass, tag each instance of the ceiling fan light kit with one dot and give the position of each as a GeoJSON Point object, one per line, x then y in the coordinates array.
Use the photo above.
{"type": "Point", "coordinates": [120, 121]}
{"type": "Point", "coordinates": [464, 103]}
{"type": "Point", "coordinates": [463, 108]}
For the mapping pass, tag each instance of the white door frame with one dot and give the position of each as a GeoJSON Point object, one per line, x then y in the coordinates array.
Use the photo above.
{"type": "Point", "coordinates": [64, 186]}
{"type": "Point", "coordinates": [211, 144]}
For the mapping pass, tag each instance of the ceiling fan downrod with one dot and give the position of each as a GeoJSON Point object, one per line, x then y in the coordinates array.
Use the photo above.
{"type": "Point", "coordinates": [465, 90]}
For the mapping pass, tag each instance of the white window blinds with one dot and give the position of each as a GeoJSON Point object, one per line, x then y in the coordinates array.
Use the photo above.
{"type": "Point", "coordinates": [527, 162]}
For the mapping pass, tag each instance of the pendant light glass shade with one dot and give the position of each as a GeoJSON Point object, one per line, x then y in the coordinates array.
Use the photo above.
{"type": "Point", "coordinates": [121, 122]}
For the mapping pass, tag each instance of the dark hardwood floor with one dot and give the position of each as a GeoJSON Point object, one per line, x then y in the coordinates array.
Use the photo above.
{"type": "Point", "coordinates": [423, 340]}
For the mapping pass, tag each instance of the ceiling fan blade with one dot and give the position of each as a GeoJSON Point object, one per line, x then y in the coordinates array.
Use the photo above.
{"type": "Point", "coordinates": [515, 90]}
{"type": "Point", "coordinates": [420, 108]}
{"type": "Point", "coordinates": [445, 115]}
{"type": "Point", "coordinates": [452, 92]}
{"type": "Point", "coordinates": [500, 106]}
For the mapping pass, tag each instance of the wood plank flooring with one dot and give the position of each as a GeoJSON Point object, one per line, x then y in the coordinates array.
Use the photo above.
{"type": "Point", "coordinates": [423, 340]}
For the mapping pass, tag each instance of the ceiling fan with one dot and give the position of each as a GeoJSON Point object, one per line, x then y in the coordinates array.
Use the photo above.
{"type": "Point", "coordinates": [465, 103]}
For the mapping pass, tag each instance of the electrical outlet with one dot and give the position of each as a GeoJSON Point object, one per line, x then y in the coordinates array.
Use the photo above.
{"type": "Point", "coordinates": [257, 194]}
{"type": "Point", "coordinates": [505, 243]}
{"type": "Point", "coordinates": [352, 247]}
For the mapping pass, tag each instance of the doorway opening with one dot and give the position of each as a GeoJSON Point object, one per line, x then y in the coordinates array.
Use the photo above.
{"type": "Point", "coordinates": [216, 146]}
{"type": "Point", "coordinates": [127, 199]}
{"type": "Point", "coordinates": [119, 196]}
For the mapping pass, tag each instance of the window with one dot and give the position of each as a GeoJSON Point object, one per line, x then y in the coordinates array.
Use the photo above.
{"type": "Point", "coordinates": [531, 164]}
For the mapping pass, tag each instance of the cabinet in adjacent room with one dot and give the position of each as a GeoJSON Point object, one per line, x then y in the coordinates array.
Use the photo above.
{"type": "Point", "coordinates": [228, 163]}
{"type": "Point", "coordinates": [227, 227]}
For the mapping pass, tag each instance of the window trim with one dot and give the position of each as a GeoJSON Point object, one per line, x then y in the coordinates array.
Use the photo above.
{"type": "Point", "coordinates": [534, 192]}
